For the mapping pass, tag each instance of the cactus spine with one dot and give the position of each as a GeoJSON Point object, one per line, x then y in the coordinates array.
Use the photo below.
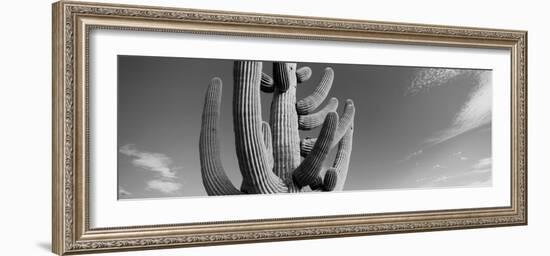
{"type": "Point", "coordinates": [270, 153]}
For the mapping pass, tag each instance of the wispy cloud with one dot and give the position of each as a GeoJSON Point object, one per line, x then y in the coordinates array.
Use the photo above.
{"type": "Point", "coordinates": [411, 156]}
{"type": "Point", "coordinates": [483, 163]}
{"type": "Point", "coordinates": [159, 164]}
{"type": "Point", "coordinates": [428, 78]}
{"type": "Point", "coordinates": [414, 154]}
{"type": "Point", "coordinates": [154, 162]}
{"type": "Point", "coordinates": [167, 187]}
{"type": "Point", "coordinates": [475, 113]}
{"type": "Point", "coordinates": [123, 192]}
{"type": "Point", "coordinates": [478, 176]}
{"type": "Point", "coordinates": [460, 156]}
{"type": "Point", "coordinates": [438, 166]}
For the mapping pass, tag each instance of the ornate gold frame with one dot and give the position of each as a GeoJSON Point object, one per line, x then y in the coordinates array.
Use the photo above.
{"type": "Point", "coordinates": [72, 22]}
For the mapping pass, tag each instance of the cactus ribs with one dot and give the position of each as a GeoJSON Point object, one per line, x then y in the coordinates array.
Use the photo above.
{"type": "Point", "coordinates": [272, 157]}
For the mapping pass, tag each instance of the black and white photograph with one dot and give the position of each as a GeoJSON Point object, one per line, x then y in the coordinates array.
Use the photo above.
{"type": "Point", "coordinates": [192, 127]}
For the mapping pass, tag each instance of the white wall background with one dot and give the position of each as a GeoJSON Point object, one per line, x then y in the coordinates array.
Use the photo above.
{"type": "Point", "coordinates": [25, 100]}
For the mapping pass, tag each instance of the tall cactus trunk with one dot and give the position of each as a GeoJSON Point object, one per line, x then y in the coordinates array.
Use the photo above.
{"type": "Point", "coordinates": [284, 124]}
{"type": "Point", "coordinates": [258, 178]}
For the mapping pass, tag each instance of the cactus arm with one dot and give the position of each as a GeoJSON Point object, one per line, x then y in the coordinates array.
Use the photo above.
{"type": "Point", "coordinates": [266, 84]}
{"type": "Point", "coordinates": [346, 121]}
{"type": "Point", "coordinates": [317, 184]}
{"type": "Point", "coordinates": [311, 102]}
{"type": "Point", "coordinates": [330, 180]}
{"type": "Point", "coordinates": [266, 131]}
{"type": "Point", "coordinates": [312, 121]}
{"type": "Point", "coordinates": [306, 145]}
{"type": "Point", "coordinates": [214, 178]}
{"type": "Point", "coordinates": [341, 161]}
{"type": "Point", "coordinates": [308, 171]}
{"type": "Point", "coordinates": [258, 177]}
{"type": "Point", "coordinates": [303, 74]}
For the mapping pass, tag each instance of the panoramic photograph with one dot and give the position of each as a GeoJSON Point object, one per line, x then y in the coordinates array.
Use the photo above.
{"type": "Point", "coordinates": [191, 127]}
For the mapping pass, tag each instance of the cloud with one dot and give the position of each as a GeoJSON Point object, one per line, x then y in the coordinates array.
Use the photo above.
{"type": "Point", "coordinates": [478, 176]}
{"type": "Point", "coordinates": [460, 156]}
{"type": "Point", "coordinates": [411, 156]}
{"type": "Point", "coordinates": [468, 179]}
{"type": "Point", "coordinates": [476, 112]}
{"type": "Point", "coordinates": [157, 163]}
{"type": "Point", "coordinates": [415, 154]}
{"type": "Point", "coordinates": [483, 163]}
{"type": "Point", "coordinates": [167, 187]}
{"type": "Point", "coordinates": [442, 179]}
{"type": "Point", "coordinates": [438, 166]}
{"type": "Point", "coordinates": [154, 162]}
{"type": "Point", "coordinates": [123, 192]}
{"type": "Point", "coordinates": [428, 78]}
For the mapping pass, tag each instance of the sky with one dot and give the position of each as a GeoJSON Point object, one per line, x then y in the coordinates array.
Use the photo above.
{"type": "Point", "coordinates": [415, 127]}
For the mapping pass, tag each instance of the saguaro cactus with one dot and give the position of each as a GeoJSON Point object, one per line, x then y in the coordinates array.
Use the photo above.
{"type": "Point", "coordinates": [272, 157]}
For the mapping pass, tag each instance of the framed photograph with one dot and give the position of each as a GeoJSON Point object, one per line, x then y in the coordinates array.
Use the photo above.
{"type": "Point", "coordinates": [178, 127]}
